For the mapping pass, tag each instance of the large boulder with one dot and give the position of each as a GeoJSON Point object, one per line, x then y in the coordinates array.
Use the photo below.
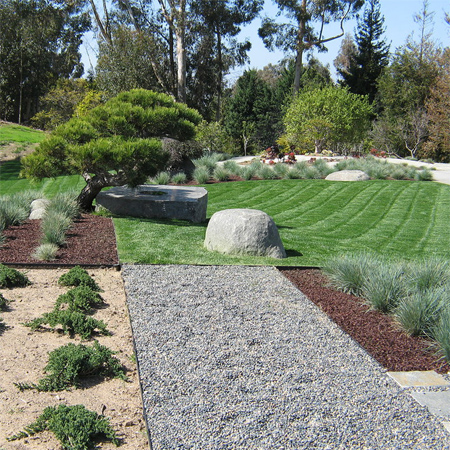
{"type": "Point", "coordinates": [244, 232]}
{"type": "Point", "coordinates": [348, 175]}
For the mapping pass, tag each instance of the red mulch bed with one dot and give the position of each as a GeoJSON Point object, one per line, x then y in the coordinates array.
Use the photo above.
{"type": "Point", "coordinates": [374, 331]}
{"type": "Point", "coordinates": [90, 241]}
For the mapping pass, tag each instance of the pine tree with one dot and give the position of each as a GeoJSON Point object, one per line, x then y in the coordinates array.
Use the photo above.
{"type": "Point", "coordinates": [372, 54]}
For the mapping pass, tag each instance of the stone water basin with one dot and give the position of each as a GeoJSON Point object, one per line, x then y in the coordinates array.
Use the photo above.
{"type": "Point", "coordinates": [156, 202]}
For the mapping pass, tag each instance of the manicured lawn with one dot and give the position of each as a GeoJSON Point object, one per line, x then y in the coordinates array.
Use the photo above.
{"type": "Point", "coordinates": [10, 182]}
{"type": "Point", "coordinates": [316, 219]}
{"type": "Point", "coordinates": [18, 133]}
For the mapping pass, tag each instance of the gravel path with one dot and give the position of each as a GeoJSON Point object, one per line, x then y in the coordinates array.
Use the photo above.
{"type": "Point", "coordinates": [238, 358]}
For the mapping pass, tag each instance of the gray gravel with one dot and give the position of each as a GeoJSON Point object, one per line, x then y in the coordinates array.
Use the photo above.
{"type": "Point", "coordinates": [238, 358]}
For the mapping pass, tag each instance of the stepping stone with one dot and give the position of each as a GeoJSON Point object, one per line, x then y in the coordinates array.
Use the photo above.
{"type": "Point", "coordinates": [418, 378]}
{"type": "Point", "coordinates": [438, 403]}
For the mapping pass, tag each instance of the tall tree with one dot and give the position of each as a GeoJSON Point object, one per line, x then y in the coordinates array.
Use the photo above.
{"type": "Point", "coordinates": [39, 44]}
{"type": "Point", "coordinates": [220, 21]}
{"type": "Point", "coordinates": [299, 34]}
{"type": "Point", "coordinates": [371, 56]}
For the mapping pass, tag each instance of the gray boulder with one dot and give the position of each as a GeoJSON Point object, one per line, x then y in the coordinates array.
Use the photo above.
{"type": "Point", "coordinates": [348, 175]}
{"type": "Point", "coordinates": [38, 207]}
{"type": "Point", "coordinates": [244, 232]}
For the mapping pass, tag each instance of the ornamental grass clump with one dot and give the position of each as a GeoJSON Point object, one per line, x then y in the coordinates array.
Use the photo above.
{"type": "Point", "coordinates": [233, 167]}
{"type": "Point", "coordinates": [71, 322]}
{"type": "Point", "coordinates": [54, 227]}
{"type": "Point", "coordinates": [161, 178]}
{"type": "Point", "coordinates": [265, 172]}
{"type": "Point", "coordinates": [179, 178]}
{"type": "Point", "coordinates": [46, 252]}
{"type": "Point", "coordinates": [64, 203]}
{"type": "Point", "coordinates": [77, 276]}
{"type": "Point", "coordinates": [81, 298]}
{"type": "Point", "coordinates": [427, 274]}
{"type": "Point", "coordinates": [12, 213]}
{"type": "Point", "coordinates": [384, 287]}
{"type": "Point", "coordinates": [441, 334]}
{"type": "Point", "coordinates": [248, 172]}
{"type": "Point", "coordinates": [348, 273]}
{"type": "Point", "coordinates": [74, 426]}
{"type": "Point", "coordinates": [201, 175]}
{"type": "Point", "coordinates": [281, 170]}
{"type": "Point", "coordinates": [221, 174]}
{"type": "Point", "coordinates": [419, 312]}
{"type": "Point", "coordinates": [70, 364]}
{"type": "Point", "coordinates": [10, 278]}
{"type": "Point", "coordinates": [322, 167]}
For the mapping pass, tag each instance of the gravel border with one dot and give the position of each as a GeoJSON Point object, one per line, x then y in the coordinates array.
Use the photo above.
{"type": "Point", "coordinates": [235, 357]}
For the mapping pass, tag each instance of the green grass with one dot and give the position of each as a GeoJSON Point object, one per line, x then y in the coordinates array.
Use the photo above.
{"type": "Point", "coordinates": [18, 133]}
{"type": "Point", "coordinates": [317, 220]}
{"type": "Point", "coordinates": [10, 183]}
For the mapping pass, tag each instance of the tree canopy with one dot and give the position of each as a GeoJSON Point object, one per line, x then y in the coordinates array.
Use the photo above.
{"type": "Point", "coordinates": [114, 144]}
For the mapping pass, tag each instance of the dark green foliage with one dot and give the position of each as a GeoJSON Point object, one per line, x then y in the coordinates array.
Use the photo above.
{"type": "Point", "coordinates": [74, 426]}
{"type": "Point", "coordinates": [77, 276]}
{"type": "Point", "coordinates": [81, 298]}
{"type": "Point", "coordinates": [10, 278]}
{"type": "Point", "coordinates": [69, 364]}
{"type": "Point", "coordinates": [371, 55]}
{"type": "Point", "coordinates": [72, 322]}
{"type": "Point", "coordinates": [3, 303]}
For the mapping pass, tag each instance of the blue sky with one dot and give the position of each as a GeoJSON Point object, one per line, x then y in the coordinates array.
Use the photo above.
{"type": "Point", "coordinates": [399, 24]}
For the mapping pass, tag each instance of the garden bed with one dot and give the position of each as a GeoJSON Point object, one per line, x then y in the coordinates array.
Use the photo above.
{"type": "Point", "coordinates": [90, 241]}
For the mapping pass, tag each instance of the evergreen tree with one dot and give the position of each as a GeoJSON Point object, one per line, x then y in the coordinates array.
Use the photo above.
{"type": "Point", "coordinates": [371, 56]}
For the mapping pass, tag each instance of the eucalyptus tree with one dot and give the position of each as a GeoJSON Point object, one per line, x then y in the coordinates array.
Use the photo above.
{"type": "Point", "coordinates": [299, 34]}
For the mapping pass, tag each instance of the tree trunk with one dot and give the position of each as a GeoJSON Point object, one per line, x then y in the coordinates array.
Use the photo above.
{"type": "Point", "coordinates": [180, 33]}
{"type": "Point", "coordinates": [220, 75]}
{"type": "Point", "coordinates": [300, 48]}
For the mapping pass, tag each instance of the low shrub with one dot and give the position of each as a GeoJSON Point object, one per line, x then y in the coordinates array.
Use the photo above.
{"type": "Point", "coordinates": [46, 252]}
{"type": "Point", "coordinates": [179, 178]}
{"type": "Point", "coordinates": [74, 426]}
{"type": "Point", "coordinates": [10, 278]}
{"type": "Point", "coordinates": [419, 313]}
{"type": "Point", "coordinates": [77, 276]}
{"type": "Point", "coordinates": [3, 303]}
{"type": "Point", "coordinates": [71, 322]}
{"type": "Point", "coordinates": [69, 364]}
{"type": "Point", "coordinates": [81, 298]}
{"type": "Point", "coordinates": [201, 175]}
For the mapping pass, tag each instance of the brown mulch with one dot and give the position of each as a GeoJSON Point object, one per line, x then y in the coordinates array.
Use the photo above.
{"type": "Point", "coordinates": [90, 241]}
{"type": "Point", "coordinates": [377, 333]}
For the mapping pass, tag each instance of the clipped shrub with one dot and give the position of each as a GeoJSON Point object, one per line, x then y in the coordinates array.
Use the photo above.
{"type": "Point", "coordinates": [71, 322]}
{"type": "Point", "coordinates": [77, 276]}
{"type": "Point", "coordinates": [419, 312]}
{"type": "Point", "coordinates": [54, 227]}
{"type": "Point", "coordinates": [74, 426]}
{"type": "Point", "coordinates": [179, 178]}
{"type": "Point", "coordinates": [69, 364]}
{"type": "Point", "coordinates": [81, 298]}
{"type": "Point", "coordinates": [10, 278]}
{"type": "Point", "coordinates": [46, 252]}
{"type": "Point", "coordinates": [221, 174]}
{"type": "Point", "coordinates": [383, 288]}
{"type": "Point", "coordinates": [201, 175]}
{"type": "Point", "coordinates": [348, 273]}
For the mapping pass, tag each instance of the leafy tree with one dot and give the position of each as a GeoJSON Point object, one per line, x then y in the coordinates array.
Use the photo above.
{"type": "Point", "coordinates": [346, 54]}
{"type": "Point", "coordinates": [60, 103]}
{"type": "Point", "coordinates": [438, 110]}
{"type": "Point", "coordinates": [114, 144]}
{"type": "Point", "coordinates": [299, 35]}
{"type": "Point", "coordinates": [371, 55]}
{"type": "Point", "coordinates": [328, 116]}
{"type": "Point", "coordinates": [39, 44]}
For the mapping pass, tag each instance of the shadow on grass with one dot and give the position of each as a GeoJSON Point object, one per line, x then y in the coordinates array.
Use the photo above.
{"type": "Point", "coordinates": [167, 222]}
{"type": "Point", "coordinates": [9, 170]}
